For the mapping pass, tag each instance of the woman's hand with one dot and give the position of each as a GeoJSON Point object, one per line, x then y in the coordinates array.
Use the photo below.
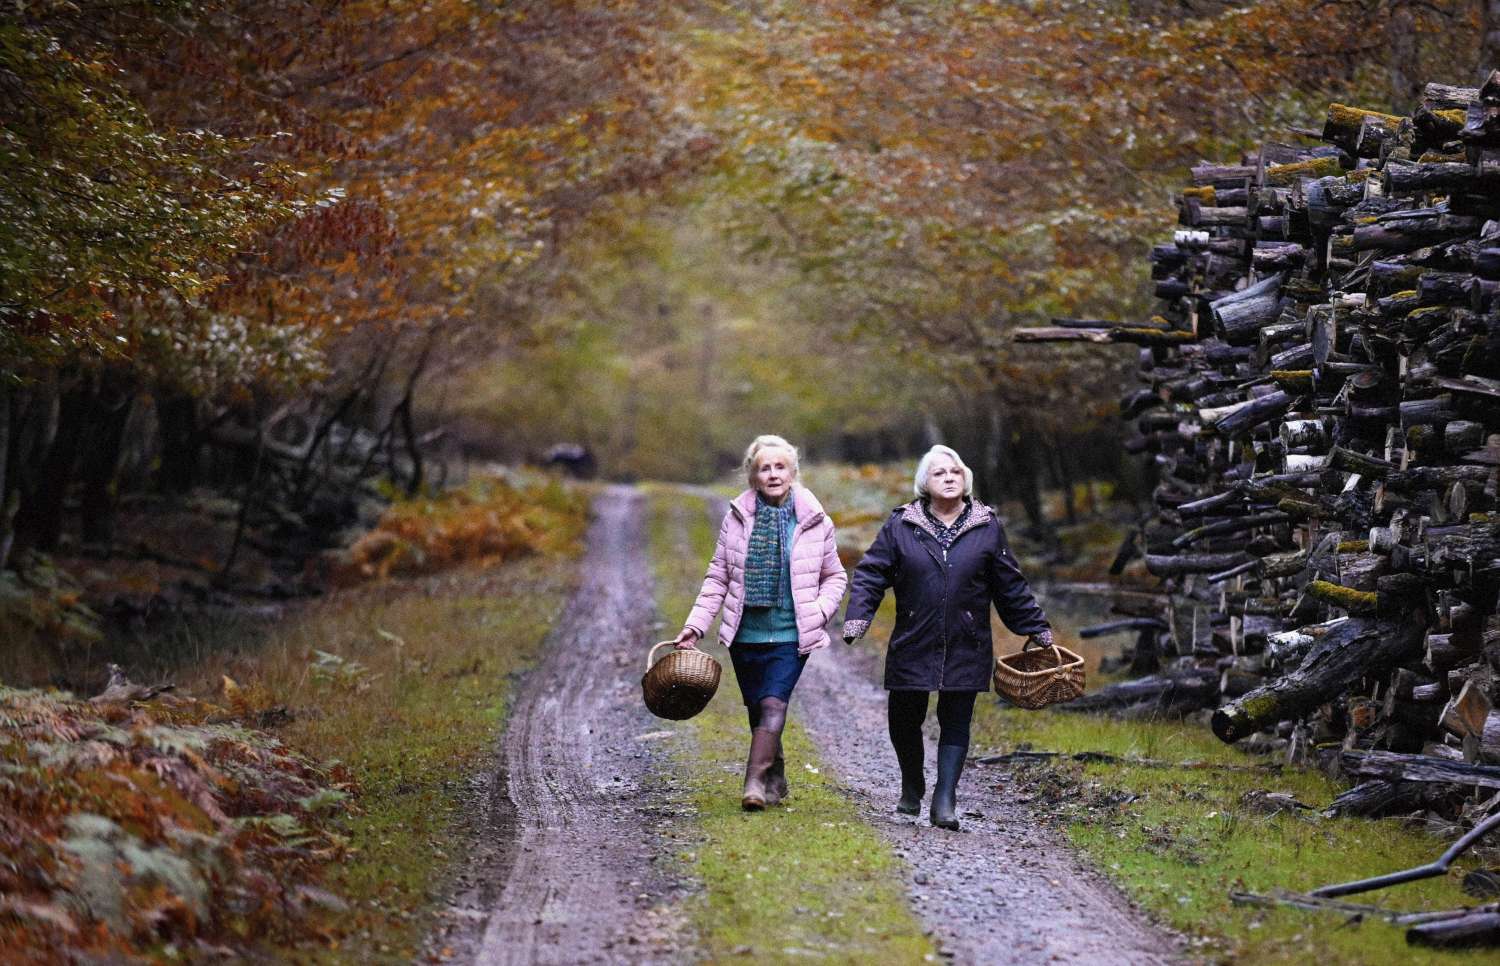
{"type": "Point", "coordinates": [1042, 638]}
{"type": "Point", "coordinates": [687, 640]}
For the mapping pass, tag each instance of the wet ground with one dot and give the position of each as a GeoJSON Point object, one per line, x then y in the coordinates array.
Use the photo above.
{"type": "Point", "coordinates": [568, 866]}
{"type": "Point", "coordinates": [570, 861]}
{"type": "Point", "coordinates": [1002, 889]}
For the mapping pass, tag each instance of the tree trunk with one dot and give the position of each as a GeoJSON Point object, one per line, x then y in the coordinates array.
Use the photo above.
{"type": "Point", "coordinates": [100, 461]}
{"type": "Point", "coordinates": [1401, 59]}
{"type": "Point", "coordinates": [1489, 38]}
{"type": "Point", "coordinates": [7, 502]}
{"type": "Point", "coordinates": [1375, 798]}
{"type": "Point", "coordinates": [177, 421]}
{"type": "Point", "coordinates": [1020, 468]}
{"type": "Point", "coordinates": [1064, 467]}
{"type": "Point", "coordinates": [39, 518]}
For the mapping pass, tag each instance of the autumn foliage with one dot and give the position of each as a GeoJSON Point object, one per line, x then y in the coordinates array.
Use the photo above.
{"type": "Point", "coordinates": [163, 829]}
{"type": "Point", "coordinates": [482, 524]}
{"type": "Point", "coordinates": [300, 201]}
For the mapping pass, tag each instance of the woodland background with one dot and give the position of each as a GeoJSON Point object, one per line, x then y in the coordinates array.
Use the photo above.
{"type": "Point", "coordinates": [274, 274]}
{"type": "Point", "coordinates": [284, 248]}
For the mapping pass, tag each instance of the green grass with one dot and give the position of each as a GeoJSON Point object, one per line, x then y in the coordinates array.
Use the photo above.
{"type": "Point", "coordinates": [429, 668]}
{"type": "Point", "coordinates": [806, 879]}
{"type": "Point", "coordinates": [1189, 839]}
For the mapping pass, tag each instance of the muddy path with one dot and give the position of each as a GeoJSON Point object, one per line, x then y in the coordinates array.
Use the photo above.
{"type": "Point", "coordinates": [567, 844]}
{"type": "Point", "coordinates": [1003, 888]}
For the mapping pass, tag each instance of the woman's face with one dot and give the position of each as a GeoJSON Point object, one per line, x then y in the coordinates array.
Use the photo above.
{"type": "Point", "coordinates": [945, 481]}
{"type": "Point", "coordinates": [773, 473]}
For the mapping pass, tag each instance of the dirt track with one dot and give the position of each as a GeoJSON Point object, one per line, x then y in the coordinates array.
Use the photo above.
{"type": "Point", "coordinates": [1002, 889]}
{"type": "Point", "coordinates": [564, 872]}
{"type": "Point", "coordinates": [569, 865]}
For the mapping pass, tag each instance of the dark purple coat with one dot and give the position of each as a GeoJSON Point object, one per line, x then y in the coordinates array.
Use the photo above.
{"type": "Point", "coordinates": [942, 637]}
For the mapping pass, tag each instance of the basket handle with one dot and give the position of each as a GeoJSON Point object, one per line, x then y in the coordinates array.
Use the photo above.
{"type": "Point", "coordinates": [1031, 642]}
{"type": "Point", "coordinates": [651, 657]}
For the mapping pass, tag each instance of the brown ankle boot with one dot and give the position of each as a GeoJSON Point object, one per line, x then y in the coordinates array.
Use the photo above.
{"type": "Point", "coordinates": [762, 753]}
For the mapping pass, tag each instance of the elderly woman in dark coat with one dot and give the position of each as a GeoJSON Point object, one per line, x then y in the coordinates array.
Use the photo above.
{"type": "Point", "coordinates": [946, 557]}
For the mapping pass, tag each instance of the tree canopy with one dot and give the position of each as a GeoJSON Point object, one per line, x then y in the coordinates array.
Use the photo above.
{"type": "Point", "coordinates": [240, 202]}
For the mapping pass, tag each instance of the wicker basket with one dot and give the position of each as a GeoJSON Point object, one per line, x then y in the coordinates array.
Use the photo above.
{"type": "Point", "coordinates": [680, 684]}
{"type": "Point", "coordinates": [1037, 678]}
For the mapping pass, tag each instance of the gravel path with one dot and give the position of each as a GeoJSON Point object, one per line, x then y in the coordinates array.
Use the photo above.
{"type": "Point", "coordinates": [563, 870]}
{"type": "Point", "coordinates": [564, 867]}
{"type": "Point", "coordinates": [1002, 889]}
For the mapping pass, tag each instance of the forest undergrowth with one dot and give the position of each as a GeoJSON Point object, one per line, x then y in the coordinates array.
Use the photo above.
{"type": "Point", "coordinates": [303, 786]}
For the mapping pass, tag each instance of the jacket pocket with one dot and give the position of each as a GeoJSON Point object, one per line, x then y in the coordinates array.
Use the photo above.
{"type": "Point", "coordinates": [975, 631]}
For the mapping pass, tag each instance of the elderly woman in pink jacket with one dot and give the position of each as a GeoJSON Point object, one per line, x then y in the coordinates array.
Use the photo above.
{"type": "Point", "coordinates": [776, 574]}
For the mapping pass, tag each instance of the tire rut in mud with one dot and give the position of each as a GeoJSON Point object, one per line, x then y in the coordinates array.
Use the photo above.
{"type": "Point", "coordinates": [565, 867]}
{"type": "Point", "coordinates": [1004, 888]}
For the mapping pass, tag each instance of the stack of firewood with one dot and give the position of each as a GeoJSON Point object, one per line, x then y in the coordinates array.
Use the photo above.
{"type": "Point", "coordinates": [1322, 410]}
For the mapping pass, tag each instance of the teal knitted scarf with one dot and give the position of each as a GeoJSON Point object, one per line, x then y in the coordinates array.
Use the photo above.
{"type": "Point", "coordinates": [766, 556]}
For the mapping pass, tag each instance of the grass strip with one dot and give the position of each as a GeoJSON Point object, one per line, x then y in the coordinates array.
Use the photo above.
{"type": "Point", "coordinates": [809, 878]}
{"type": "Point", "coordinates": [1193, 834]}
{"type": "Point", "coordinates": [406, 683]}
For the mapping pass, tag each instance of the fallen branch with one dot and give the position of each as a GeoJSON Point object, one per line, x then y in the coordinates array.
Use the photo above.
{"type": "Point", "coordinates": [1430, 870]}
{"type": "Point", "coordinates": [1105, 758]}
{"type": "Point", "coordinates": [1303, 900]}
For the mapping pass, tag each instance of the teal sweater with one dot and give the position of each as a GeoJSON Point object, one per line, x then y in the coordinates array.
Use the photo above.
{"type": "Point", "coordinates": [774, 625]}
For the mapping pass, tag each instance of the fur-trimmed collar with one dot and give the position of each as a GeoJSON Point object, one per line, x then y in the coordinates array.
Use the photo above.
{"type": "Point", "coordinates": [979, 515]}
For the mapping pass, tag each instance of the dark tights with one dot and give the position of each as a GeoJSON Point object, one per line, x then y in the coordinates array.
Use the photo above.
{"type": "Point", "coordinates": [769, 715]}
{"type": "Point", "coordinates": [908, 709]}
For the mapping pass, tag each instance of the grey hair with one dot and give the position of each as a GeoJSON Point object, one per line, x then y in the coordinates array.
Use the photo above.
{"type": "Point", "coordinates": [924, 466]}
{"type": "Point", "coordinates": [765, 443]}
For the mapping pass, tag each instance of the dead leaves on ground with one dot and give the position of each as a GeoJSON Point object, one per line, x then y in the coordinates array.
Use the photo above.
{"type": "Point", "coordinates": [129, 831]}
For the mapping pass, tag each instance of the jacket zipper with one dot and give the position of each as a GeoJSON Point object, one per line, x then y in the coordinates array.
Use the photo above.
{"type": "Point", "coordinates": [942, 606]}
{"type": "Point", "coordinates": [943, 671]}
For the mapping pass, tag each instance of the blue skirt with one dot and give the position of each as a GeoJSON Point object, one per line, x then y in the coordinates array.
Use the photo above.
{"type": "Point", "coordinates": [766, 670]}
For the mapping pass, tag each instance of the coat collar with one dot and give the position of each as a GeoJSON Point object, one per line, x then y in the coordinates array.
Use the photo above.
{"type": "Point", "coordinates": [809, 510]}
{"type": "Point", "coordinates": [979, 515]}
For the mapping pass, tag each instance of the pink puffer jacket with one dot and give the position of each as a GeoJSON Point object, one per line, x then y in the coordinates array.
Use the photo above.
{"type": "Point", "coordinates": [818, 578]}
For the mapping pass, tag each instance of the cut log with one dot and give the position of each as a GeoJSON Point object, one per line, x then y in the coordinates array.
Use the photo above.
{"type": "Point", "coordinates": [1175, 565]}
{"type": "Point", "coordinates": [1132, 624]}
{"type": "Point", "coordinates": [1174, 692]}
{"type": "Point", "coordinates": [1404, 176]}
{"type": "Point", "coordinates": [1476, 929]}
{"type": "Point", "coordinates": [1375, 798]}
{"type": "Point", "coordinates": [1343, 124]}
{"type": "Point", "coordinates": [1345, 653]}
{"type": "Point", "coordinates": [1465, 714]}
{"type": "Point", "coordinates": [1420, 768]}
{"type": "Point", "coordinates": [1248, 415]}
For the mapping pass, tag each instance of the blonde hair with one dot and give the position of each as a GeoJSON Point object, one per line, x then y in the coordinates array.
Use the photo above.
{"type": "Point", "coordinates": [924, 467]}
{"type": "Point", "coordinates": [761, 443]}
